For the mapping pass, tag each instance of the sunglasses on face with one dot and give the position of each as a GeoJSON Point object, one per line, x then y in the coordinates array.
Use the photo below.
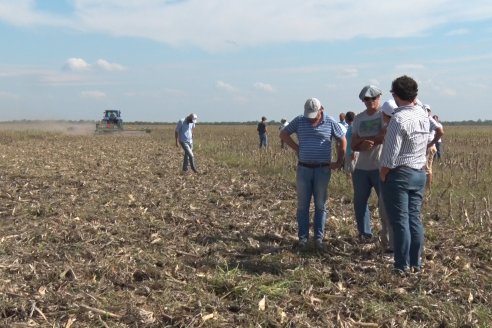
{"type": "Point", "coordinates": [370, 98]}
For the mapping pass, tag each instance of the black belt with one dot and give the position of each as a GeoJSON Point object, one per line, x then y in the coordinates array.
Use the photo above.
{"type": "Point", "coordinates": [313, 165]}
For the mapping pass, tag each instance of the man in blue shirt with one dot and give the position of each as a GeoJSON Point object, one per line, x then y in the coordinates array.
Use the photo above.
{"type": "Point", "coordinates": [184, 135]}
{"type": "Point", "coordinates": [315, 131]}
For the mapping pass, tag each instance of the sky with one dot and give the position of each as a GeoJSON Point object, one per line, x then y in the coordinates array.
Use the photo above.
{"type": "Point", "coordinates": [238, 60]}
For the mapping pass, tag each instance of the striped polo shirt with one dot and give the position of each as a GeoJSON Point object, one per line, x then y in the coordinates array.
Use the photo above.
{"type": "Point", "coordinates": [315, 141]}
{"type": "Point", "coordinates": [405, 143]}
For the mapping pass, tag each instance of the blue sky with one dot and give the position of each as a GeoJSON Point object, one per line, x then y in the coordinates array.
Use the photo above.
{"type": "Point", "coordinates": [232, 60]}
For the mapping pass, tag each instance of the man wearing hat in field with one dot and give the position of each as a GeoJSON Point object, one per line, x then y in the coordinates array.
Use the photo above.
{"type": "Point", "coordinates": [367, 138]}
{"type": "Point", "coordinates": [315, 131]}
{"type": "Point", "coordinates": [184, 136]}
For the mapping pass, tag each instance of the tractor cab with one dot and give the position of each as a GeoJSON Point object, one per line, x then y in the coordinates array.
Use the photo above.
{"type": "Point", "coordinates": [112, 116]}
{"type": "Point", "coordinates": [111, 121]}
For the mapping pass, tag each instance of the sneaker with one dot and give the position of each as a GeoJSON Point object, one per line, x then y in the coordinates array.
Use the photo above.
{"type": "Point", "coordinates": [302, 244]}
{"type": "Point", "coordinates": [366, 238]}
{"type": "Point", "coordinates": [318, 244]}
{"type": "Point", "coordinates": [400, 272]}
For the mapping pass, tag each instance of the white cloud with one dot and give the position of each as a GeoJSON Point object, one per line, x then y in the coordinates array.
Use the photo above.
{"type": "Point", "coordinates": [264, 87]}
{"type": "Point", "coordinates": [76, 65]}
{"type": "Point", "coordinates": [93, 94]}
{"type": "Point", "coordinates": [349, 72]}
{"type": "Point", "coordinates": [216, 24]}
{"type": "Point", "coordinates": [374, 82]}
{"type": "Point", "coordinates": [458, 32]}
{"type": "Point", "coordinates": [107, 66]}
{"type": "Point", "coordinates": [80, 65]}
{"type": "Point", "coordinates": [221, 85]}
{"type": "Point", "coordinates": [8, 95]}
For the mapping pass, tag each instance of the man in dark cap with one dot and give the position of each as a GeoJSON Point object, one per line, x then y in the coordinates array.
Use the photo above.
{"type": "Point", "coordinates": [367, 138]}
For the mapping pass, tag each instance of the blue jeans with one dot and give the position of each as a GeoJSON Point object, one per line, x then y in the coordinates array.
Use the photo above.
{"type": "Point", "coordinates": [363, 182]}
{"type": "Point", "coordinates": [312, 183]}
{"type": "Point", "coordinates": [263, 140]}
{"type": "Point", "coordinates": [438, 150]}
{"type": "Point", "coordinates": [403, 193]}
{"type": "Point", "coordinates": [188, 159]}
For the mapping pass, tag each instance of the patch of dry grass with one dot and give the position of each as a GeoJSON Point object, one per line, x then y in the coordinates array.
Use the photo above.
{"type": "Point", "coordinates": [104, 231]}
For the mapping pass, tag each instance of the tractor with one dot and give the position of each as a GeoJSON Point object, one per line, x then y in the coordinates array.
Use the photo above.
{"type": "Point", "coordinates": [111, 122]}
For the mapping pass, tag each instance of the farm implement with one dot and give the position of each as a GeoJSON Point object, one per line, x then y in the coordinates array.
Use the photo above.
{"type": "Point", "coordinates": [113, 123]}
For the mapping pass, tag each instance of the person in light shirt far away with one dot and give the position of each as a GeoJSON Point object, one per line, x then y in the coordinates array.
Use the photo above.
{"type": "Point", "coordinates": [184, 137]}
{"type": "Point", "coordinates": [283, 124]}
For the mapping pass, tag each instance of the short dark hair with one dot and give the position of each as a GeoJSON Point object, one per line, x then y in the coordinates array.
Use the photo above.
{"type": "Point", "coordinates": [263, 118]}
{"type": "Point", "coordinates": [405, 88]}
{"type": "Point", "coordinates": [349, 117]}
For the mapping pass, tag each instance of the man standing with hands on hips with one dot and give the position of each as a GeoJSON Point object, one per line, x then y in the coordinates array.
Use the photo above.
{"type": "Point", "coordinates": [402, 174]}
{"type": "Point", "coordinates": [315, 131]}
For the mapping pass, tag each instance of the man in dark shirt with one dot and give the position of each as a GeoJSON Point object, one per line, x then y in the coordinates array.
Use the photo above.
{"type": "Point", "coordinates": [262, 132]}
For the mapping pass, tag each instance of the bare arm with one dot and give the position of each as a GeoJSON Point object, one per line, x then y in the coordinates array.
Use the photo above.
{"type": "Point", "coordinates": [439, 133]}
{"type": "Point", "coordinates": [289, 141]}
{"type": "Point", "coordinates": [361, 144]}
{"type": "Point", "coordinates": [341, 147]}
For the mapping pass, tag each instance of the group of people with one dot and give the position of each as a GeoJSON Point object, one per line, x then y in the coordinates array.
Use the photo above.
{"type": "Point", "coordinates": [388, 148]}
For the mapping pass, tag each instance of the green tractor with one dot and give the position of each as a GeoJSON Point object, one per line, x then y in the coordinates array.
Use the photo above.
{"type": "Point", "coordinates": [111, 122]}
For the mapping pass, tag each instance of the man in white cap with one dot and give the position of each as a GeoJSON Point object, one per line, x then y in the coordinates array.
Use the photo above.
{"type": "Point", "coordinates": [367, 138]}
{"type": "Point", "coordinates": [315, 131]}
{"type": "Point", "coordinates": [184, 137]}
{"type": "Point", "coordinates": [388, 109]}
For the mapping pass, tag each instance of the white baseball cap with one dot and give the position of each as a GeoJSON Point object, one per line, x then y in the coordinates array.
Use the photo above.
{"type": "Point", "coordinates": [312, 107]}
{"type": "Point", "coordinates": [389, 107]}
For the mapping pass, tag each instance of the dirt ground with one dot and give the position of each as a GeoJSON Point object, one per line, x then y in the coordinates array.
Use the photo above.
{"type": "Point", "coordinates": [105, 231]}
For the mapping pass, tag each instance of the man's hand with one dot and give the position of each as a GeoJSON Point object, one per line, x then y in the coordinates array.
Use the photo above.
{"type": "Point", "coordinates": [366, 145]}
{"type": "Point", "coordinates": [335, 165]}
{"type": "Point", "coordinates": [383, 173]}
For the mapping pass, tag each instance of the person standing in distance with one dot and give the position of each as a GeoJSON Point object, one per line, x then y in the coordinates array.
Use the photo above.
{"type": "Point", "coordinates": [184, 137]}
{"type": "Point", "coordinates": [315, 131]}
{"type": "Point", "coordinates": [283, 124]}
{"type": "Point", "coordinates": [402, 173]}
{"type": "Point", "coordinates": [262, 132]}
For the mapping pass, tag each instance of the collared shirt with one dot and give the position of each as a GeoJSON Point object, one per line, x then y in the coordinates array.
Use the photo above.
{"type": "Point", "coordinates": [433, 126]}
{"type": "Point", "coordinates": [185, 130]}
{"type": "Point", "coordinates": [315, 141]}
{"type": "Point", "coordinates": [405, 143]}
